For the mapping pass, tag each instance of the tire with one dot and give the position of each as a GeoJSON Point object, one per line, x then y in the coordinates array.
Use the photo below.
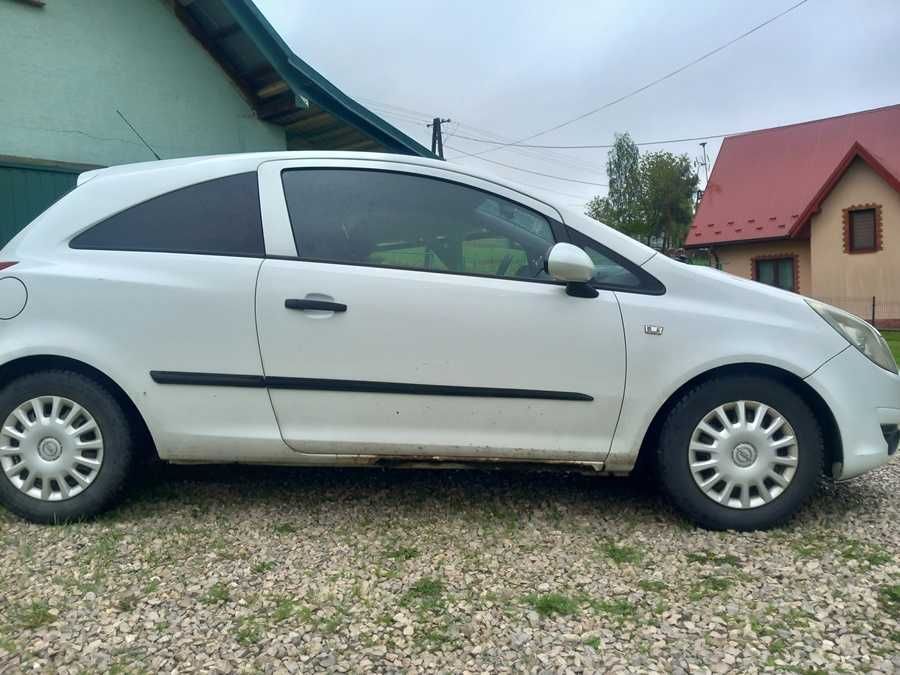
{"type": "Point", "coordinates": [753, 503]}
{"type": "Point", "coordinates": [107, 452]}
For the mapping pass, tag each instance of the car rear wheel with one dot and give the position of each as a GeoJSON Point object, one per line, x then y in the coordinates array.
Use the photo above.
{"type": "Point", "coordinates": [740, 452]}
{"type": "Point", "coordinates": [65, 447]}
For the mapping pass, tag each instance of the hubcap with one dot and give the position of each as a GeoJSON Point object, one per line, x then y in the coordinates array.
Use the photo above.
{"type": "Point", "coordinates": [50, 448]}
{"type": "Point", "coordinates": [743, 454]}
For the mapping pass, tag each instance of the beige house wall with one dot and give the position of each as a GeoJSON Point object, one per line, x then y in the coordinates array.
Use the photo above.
{"type": "Point", "coordinates": [824, 269]}
{"type": "Point", "coordinates": [850, 280]}
{"type": "Point", "coordinates": [737, 259]}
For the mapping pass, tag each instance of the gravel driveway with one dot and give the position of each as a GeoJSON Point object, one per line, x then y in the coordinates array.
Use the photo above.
{"type": "Point", "coordinates": [262, 570]}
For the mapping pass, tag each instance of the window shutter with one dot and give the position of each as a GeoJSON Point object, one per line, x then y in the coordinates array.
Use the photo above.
{"type": "Point", "coordinates": [862, 230]}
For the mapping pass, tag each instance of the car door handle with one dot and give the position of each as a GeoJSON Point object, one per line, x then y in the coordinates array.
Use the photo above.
{"type": "Point", "coordinates": [322, 305]}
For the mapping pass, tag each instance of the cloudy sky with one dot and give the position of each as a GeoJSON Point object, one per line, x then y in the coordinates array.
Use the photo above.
{"type": "Point", "coordinates": [510, 68]}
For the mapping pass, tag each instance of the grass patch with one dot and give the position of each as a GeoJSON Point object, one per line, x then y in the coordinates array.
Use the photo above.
{"type": "Point", "coordinates": [105, 546]}
{"type": "Point", "coordinates": [865, 552]}
{"type": "Point", "coordinates": [810, 546]}
{"type": "Point", "coordinates": [402, 553]}
{"type": "Point", "coordinates": [652, 586]}
{"type": "Point", "coordinates": [284, 528]}
{"type": "Point", "coordinates": [285, 608]}
{"type": "Point", "coordinates": [709, 586]}
{"type": "Point", "coordinates": [33, 615]}
{"type": "Point", "coordinates": [127, 603]}
{"type": "Point", "coordinates": [551, 604]}
{"type": "Point", "coordinates": [594, 643]}
{"type": "Point", "coordinates": [889, 598]}
{"type": "Point", "coordinates": [704, 557]}
{"type": "Point", "coordinates": [616, 609]}
{"type": "Point", "coordinates": [249, 632]}
{"type": "Point", "coordinates": [217, 594]}
{"type": "Point", "coordinates": [777, 646]}
{"type": "Point", "coordinates": [434, 637]}
{"type": "Point", "coordinates": [426, 593]}
{"type": "Point", "coordinates": [621, 554]}
{"type": "Point", "coordinates": [263, 567]}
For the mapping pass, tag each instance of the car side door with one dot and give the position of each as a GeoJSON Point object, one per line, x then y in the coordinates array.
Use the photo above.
{"type": "Point", "coordinates": [404, 310]}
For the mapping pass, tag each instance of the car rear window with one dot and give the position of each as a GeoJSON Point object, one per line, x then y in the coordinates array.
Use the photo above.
{"type": "Point", "coordinates": [217, 217]}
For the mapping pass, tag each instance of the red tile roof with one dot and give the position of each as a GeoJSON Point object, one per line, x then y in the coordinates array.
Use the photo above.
{"type": "Point", "coordinates": [767, 184]}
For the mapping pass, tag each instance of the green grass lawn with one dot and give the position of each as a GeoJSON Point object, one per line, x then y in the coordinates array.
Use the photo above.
{"type": "Point", "coordinates": [893, 339]}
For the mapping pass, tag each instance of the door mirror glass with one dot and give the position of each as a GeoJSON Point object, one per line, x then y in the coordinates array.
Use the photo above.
{"type": "Point", "coordinates": [569, 263]}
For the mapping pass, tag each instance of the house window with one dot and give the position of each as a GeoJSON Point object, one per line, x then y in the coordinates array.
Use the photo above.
{"type": "Point", "coordinates": [862, 229]}
{"type": "Point", "coordinates": [780, 272]}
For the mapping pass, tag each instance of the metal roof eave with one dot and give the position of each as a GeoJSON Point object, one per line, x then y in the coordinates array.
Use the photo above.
{"type": "Point", "coordinates": [305, 80]}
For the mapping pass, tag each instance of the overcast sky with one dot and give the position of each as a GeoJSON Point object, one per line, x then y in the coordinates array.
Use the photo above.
{"type": "Point", "coordinates": [515, 67]}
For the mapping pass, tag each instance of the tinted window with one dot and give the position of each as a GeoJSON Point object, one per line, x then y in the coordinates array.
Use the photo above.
{"type": "Point", "coordinates": [401, 220]}
{"type": "Point", "coordinates": [609, 268]}
{"type": "Point", "coordinates": [219, 217]}
{"type": "Point", "coordinates": [776, 272]}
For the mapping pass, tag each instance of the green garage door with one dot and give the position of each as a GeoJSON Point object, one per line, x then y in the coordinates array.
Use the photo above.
{"type": "Point", "coordinates": [25, 191]}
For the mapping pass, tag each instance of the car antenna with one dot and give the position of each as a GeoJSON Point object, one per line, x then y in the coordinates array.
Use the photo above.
{"type": "Point", "coordinates": [136, 133]}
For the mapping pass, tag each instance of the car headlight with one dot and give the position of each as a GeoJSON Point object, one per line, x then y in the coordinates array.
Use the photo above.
{"type": "Point", "coordinates": [858, 333]}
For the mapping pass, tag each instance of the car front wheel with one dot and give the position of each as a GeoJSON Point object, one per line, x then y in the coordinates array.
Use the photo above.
{"type": "Point", "coordinates": [740, 452]}
{"type": "Point", "coordinates": [65, 447]}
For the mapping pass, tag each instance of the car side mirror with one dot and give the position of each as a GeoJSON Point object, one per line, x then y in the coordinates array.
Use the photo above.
{"type": "Point", "coordinates": [569, 263]}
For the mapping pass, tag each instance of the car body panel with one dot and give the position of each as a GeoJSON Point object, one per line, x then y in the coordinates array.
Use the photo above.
{"type": "Point", "coordinates": [405, 326]}
{"type": "Point", "coordinates": [127, 314]}
{"type": "Point", "coordinates": [875, 400]}
{"type": "Point", "coordinates": [730, 321]}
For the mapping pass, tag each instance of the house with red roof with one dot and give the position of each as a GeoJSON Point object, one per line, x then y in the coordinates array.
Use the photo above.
{"type": "Point", "coordinates": [812, 208]}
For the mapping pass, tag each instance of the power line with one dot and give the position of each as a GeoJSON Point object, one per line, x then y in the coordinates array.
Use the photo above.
{"type": "Point", "coordinates": [451, 134]}
{"type": "Point", "coordinates": [556, 192]}
{"type": "Point", "coordinates": [421, 118]}
{"type": "Point", "coordinates": [411, 116]}
{"type": "Point", "coordinates": [543, 155]}
{"type": "Point", "coordinates": [654, 82]}
{"type": "Point", "coordinates": [602, 146]}
{"type": "Point", "coordinates": [492, 161]}
{"type": "Point", "coordinates": [517, 168]}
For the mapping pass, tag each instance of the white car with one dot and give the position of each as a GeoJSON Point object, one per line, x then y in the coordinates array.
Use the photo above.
{"type": "Point", "coordinates": [343, 309]}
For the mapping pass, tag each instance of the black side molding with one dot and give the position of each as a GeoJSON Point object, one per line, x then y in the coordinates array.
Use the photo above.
{"type": "Point", "coordinates": [359, 386]}
{"type": "Point", "coordinates": [207, 379]}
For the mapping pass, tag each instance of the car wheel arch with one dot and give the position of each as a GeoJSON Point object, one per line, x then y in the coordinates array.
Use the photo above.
{"type": "Point", "coordinates": [26, 365]}
{"type": "Point", "coordinates": [823, 414]}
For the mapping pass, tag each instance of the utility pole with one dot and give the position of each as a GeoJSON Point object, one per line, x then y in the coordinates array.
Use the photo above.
{"type": "Point", "coordinates": [705, 164]}
{"type": "Point", "coordinates": [705, 161]}
{"type": "Point", "coordinates": [437, 137]}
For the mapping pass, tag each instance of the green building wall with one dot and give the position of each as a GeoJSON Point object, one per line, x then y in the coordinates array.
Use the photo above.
{"type": "Point", "coordinates": [67, 67]}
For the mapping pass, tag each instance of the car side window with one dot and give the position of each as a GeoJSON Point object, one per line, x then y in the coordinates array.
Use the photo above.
{"type": "Point", "coordinates": [216, 217]}
{"type": "Point", "coordinates": [608, 271]}
{"type": "Point", "coordinates": [391, 219]}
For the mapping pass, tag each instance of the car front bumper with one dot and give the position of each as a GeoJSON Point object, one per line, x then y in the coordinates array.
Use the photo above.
{"type": "Point", "coordinates": [865, 402]}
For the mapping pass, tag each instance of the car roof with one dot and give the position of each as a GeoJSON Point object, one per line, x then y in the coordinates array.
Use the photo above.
{"type": "Point", "coordinates": [245, 161]}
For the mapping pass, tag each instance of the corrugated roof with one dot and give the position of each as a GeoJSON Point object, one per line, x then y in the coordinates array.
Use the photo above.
{"type": "Point", "coordinates": [767, 184]}
{"type": "Point", "coordinates": [281, 87]}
